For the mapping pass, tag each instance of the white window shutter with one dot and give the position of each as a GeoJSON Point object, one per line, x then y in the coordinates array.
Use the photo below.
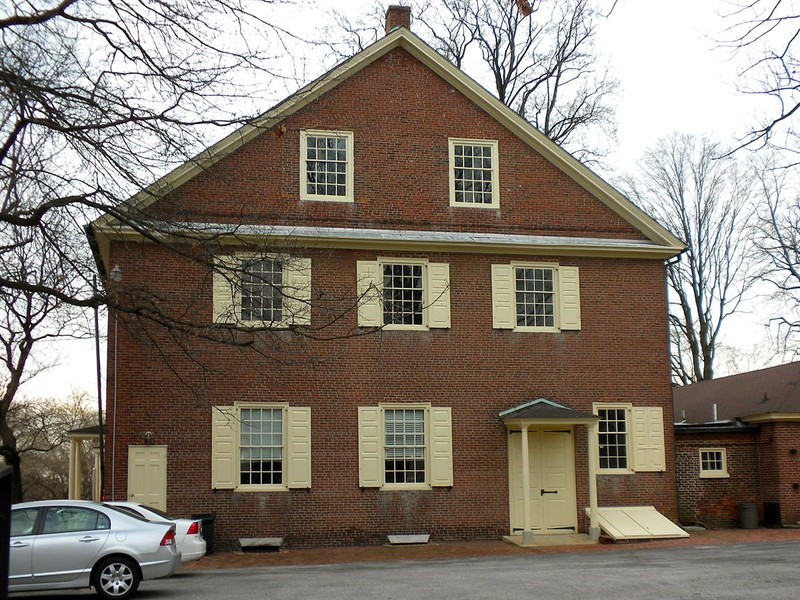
{"type": "Point", "coordinates": [370, 447]}
{"type": "Point", "coordinates": [648, 439]}
{"type": "Point", "coordinates": [297, 291]}
{"type": "Point", "coordinates": [298, 447]}
{"type": "Point", "coordinates": [438, 295]}
{"type": "Point", "coordinates": [224, 284]}
{"type": "Point", "coordinates": [441, 447]}
{"type": "Point", "coordinates": [569, 298]}
{"type": "Point", "coordinates": [224, 441]}
{"type": "Point", "coordinates": [503, 297]}
{"type": "Point", "coordinates": [369, 296]}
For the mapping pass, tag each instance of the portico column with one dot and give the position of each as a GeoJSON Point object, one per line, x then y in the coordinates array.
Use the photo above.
{"type": "Point", "coordinates": [96, 491]}
{"type": "Point", "coordinates": [594, 527]}
{"type": "Point", "coordinates": [527, 531]}
{"type": "Point", "coordinates": [74, 469]}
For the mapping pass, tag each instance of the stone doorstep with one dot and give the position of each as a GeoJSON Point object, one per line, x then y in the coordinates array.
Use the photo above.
{"type": "Point", "coordinates": [266, 542]}
{"type": "Point", "coordinates": [422, 538]}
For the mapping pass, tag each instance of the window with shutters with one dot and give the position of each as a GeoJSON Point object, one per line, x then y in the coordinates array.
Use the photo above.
{"type": "Point", "coordinates": [713, 463]}
{"type": "Point", "coordinates": [405, 446]}
{"type": "Point", "coordinates": [630, 438]}
{"type": "Point", "coordinates": [261, 447]}
{"type": "Point", "coordinates": [397, 293]}
{"type": "Point", "coordinates": [326, 165]}
{"type": "Point", "coordinates": [262, 290]}
{"type": "Point", "coordinates": [539, 297]}
{"type": "Point", "coordinates": [474, 173]}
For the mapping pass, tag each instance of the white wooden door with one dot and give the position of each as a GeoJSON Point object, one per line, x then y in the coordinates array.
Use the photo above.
{"type": "Point", "coordinates": [551, 461]}
{"type": "Point", "coordinates": [147, 475]}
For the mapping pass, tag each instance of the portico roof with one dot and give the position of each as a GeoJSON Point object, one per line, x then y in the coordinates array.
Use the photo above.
{"type": "Point", "coordinates": [542, 411]}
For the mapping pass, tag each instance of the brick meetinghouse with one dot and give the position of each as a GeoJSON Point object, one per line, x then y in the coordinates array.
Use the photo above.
{"type": "Point", "coordinates": [445, 324]}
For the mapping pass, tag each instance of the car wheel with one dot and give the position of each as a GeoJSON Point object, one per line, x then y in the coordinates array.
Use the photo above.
{"type": "Point", "coordinates": [116, 578]}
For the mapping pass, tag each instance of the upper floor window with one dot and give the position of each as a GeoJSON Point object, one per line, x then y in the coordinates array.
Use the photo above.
{"type": "Point", "coordinates": [403, 293]}
{"type": "Point", "coordinates": [474, 179]}
{"type": "Point", "coordinates": [262, 290]}
{"type": "Point", "coordinates": [536, 297]}
{"type": "Point", "coordinates": [326, 165]}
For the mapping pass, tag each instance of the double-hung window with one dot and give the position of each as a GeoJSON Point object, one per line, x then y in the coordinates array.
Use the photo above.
{"type": "Point", "coordinates": [400, 293]}
{"type": "Point", "coordinates": [326, 165]}
{"type": "Point", "coordinates": [405, 446]}
{"type": "Point", "coordinates": [262, 290]}
{"type": "Point", "coordinates": [261, 447]}
{"type": "Point", "coordinates": [542, 297]}
{"type": "Point", "coordinates": [629, 438]}
{"type": "Point", "coordinates": [474, 173]}
{"type": "Point", "coordinates": [713, 463]}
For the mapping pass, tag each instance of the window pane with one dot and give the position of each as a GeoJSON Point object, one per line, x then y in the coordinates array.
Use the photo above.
{"type": "Point", "coordinates": [535, 300]}
{"type": "Point", "coordinates": [326, 156]}
{"type": "Point", "coordinates": [402, 294]}
{"type": "Point", "coordinates": [260, 456]}
{"type": "Point", "coordinates": [404, 453]}
{"type": "Point", "coordinates": [473, 173]}
{"type": "Point", "coordinates": [262, 299]}
{"type": "Point", "coordinates": [613, 438]}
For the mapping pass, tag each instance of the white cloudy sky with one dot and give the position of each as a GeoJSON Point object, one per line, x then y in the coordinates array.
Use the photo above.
{"type": "Point", "coordinates": [673, 79]}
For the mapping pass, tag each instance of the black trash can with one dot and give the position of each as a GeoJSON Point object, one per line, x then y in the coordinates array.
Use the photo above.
{"type": "Point", "coordinates": [748, 515]}
{"type": "Point", "coordinates": [208, 529]}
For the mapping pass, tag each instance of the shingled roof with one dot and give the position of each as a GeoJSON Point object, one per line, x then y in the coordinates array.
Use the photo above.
{"type": "Point", "coordinates": [763, 395]}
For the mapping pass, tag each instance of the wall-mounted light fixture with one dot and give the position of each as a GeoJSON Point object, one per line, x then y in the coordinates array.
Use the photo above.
{"type": "Point", "coordinates": [148, 437]}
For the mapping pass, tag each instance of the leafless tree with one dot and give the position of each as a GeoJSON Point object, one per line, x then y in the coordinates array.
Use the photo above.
{"type": "Point", "coordinates": [765, 34]}
{"type": "Point", "coordinates": [777, 244]}
{"type": "Point", "coordinates": [705, 198]}
{"type": "Point", "coordinates": [538, 55]}
{"type": "Point", "coordinates": [40, 426]}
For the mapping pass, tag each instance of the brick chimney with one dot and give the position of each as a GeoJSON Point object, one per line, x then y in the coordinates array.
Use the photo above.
{"type": "Point", "coordinates": [398, 16]}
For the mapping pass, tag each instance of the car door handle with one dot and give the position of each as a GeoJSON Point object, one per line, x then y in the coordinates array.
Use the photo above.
{"type": "Point", "coordinates": [87, 538]}
{"type": "Point", "coordinates": [19, 545]}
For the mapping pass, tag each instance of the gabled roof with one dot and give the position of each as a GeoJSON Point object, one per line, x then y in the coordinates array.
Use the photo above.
{"type": "Point", "coordinates": [771, 394]}
{"type": "Point", "coordinates": [664, 243]}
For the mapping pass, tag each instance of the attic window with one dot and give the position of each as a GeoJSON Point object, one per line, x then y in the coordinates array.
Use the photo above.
{"type": "Point", "coordinates": [326, 165]}
{"type": "Point", "coordinates": [474, 173]}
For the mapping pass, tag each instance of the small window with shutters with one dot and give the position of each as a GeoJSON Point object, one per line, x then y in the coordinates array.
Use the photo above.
{"type": "Point", "coordinates": [262, 290]}
{"type": "Point", "coordinates": [629, 438]}
{"type": "Point", "coordinates": [395, 293]}
{"type": "Point", "coordinates": [261, 447]}
{"type": "Point", "coordinates": [537, 297]}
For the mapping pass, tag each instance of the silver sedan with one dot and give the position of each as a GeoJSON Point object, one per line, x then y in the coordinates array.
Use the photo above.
{"type": "Point", "coordinates": [63, 544]}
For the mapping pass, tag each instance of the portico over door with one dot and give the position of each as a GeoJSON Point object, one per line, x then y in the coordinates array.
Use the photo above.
{"type": "Point", "coordinates": [542, 490]}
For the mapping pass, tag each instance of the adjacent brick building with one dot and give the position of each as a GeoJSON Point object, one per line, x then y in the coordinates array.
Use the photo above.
{"type": "Point", "coordinates": [412, 276]}
{"type": "Point", "coordinates": [737, 442]}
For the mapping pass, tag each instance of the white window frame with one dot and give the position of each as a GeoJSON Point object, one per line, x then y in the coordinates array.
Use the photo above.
{"type": "Point", "coordinates": [295, 444]}
{"type": "Point", "coordinates": [348, 137]}
{"type": "Point", "coordinates": [553, 268]}
{"type": "Point", "coordinates": [295, 290]}
{"type": "Point", "coordinates": [437, 448]}
{"type": "Point", "coordinates": [495, 170]}
{"type": "Point", "coordinates": [713, 473]}
{"type": "Point", "coordinates": [435, 294]}
{"type": "Point", "coordinates": [627, 407]}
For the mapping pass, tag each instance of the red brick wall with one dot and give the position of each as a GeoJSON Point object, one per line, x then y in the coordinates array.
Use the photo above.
{"type": "Point", "coordinates": [780, 464]}
{"type": "Point", "coordinates": [715, 502]}
{"type": "Point", "coordinates": [168, 387]}
{"type": "Point", "coordinates": [401, 116]}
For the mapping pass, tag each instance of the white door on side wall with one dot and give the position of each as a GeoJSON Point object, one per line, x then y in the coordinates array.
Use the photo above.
{"type": "Point", "coordinates": [147, 475]}
{"type": "Point", "coordinates": [552, 481]}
